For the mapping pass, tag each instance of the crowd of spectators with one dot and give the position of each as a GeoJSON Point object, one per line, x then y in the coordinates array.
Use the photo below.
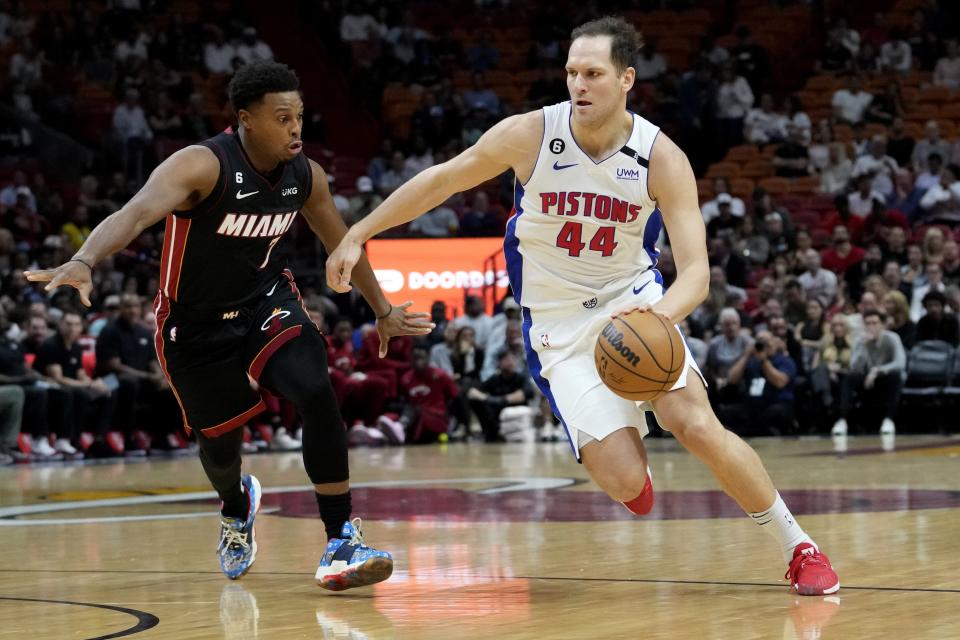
{"type": "Point", "coordinates": [802, 321]}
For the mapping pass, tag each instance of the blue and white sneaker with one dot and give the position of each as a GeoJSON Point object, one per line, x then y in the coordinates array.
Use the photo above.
{"type": "Point", "coordinates": [348, 563]}
{"type": "Point", "coordinates": [238, 547]}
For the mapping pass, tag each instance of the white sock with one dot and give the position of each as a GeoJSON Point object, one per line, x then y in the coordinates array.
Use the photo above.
{"type": "Point", "coordinates": [780, 523]}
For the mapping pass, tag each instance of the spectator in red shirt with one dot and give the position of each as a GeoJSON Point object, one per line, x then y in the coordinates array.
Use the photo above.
{"type": "Point", "coordinates": [842, 254]}
{"type": "Point", "coordinates": [428, 392]}
{"type": "Point", "coordinates": [361, 396]}
{"type": "Point", "coordinates": [842, 217]}
{"type": "Point", "coordinates": [340, 346]}
{"type": "Point", "coordinates": [392, 366]}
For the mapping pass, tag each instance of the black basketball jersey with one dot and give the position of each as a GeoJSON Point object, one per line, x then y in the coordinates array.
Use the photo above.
{"type": "Point", "coordinates": [223, 252]}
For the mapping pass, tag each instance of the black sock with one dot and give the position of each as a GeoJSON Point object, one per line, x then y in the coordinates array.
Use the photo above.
{"type": "Point", "coordinates": [334, 511]}
{"type": "Point", "coordinates": [236, 504]}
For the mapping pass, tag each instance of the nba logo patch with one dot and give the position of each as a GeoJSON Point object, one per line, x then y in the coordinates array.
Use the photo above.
{"type": "Point", "coordinates": [590, 304]}
{"type": "Point", "coordinates": [545, 340]}
{"type": "Point", "coordinates": [173, 334]}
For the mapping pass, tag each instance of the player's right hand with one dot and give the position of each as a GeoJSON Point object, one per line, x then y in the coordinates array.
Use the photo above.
{"type": "Point", "coordinates": [341, 262]}
{"type": "Point", "coordinates": [74, 274]}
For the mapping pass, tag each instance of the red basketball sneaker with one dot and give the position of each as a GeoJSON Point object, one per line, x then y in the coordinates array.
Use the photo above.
{"type": "Point", "coordinates": [810, 572]}
{"type": "Point", "coordinates": [643, 503]}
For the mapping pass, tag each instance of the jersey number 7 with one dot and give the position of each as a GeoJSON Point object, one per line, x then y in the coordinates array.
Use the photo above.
{"type": "Point", "coordinates": [602, 242]}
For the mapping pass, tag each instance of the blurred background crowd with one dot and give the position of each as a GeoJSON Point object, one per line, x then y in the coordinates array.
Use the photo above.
{"type": "Point", "coordinates": [825, 136]}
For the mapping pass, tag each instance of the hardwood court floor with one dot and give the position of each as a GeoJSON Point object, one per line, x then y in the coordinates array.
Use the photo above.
{"type": "Point", "coordinates": [490, 542]}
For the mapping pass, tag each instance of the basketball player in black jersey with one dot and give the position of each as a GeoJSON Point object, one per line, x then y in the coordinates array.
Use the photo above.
{"type": "Point", "coordinates": [228, 310]}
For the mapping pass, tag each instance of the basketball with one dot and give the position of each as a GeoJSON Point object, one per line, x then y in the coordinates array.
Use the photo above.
{"type": "Point", "coordinates": [639, 355]}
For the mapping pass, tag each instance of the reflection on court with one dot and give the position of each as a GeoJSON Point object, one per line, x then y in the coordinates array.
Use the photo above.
{"type": "Point", "coordinates": [491, 542]}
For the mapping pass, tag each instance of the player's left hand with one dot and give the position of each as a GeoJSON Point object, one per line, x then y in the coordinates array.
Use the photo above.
{"type": "Point", "coordinates": [400, 322]}
{"type": "Point", "coordinates": [642, 308]}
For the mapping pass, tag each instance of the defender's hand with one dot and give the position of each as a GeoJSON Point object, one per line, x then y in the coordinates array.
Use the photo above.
{"type": "Point", "coordinates": [399, 322]}
{"type": "Point", "coordinates": [73, 273]}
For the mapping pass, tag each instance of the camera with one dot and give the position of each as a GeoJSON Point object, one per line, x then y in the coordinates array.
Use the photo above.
{"type": "Point", "coordinates": [760, 345]}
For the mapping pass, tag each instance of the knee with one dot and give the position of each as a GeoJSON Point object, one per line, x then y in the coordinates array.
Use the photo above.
{"type": "Point", "coordinates": [623, 485]}
{"type": "Point", "coordinates": [221, 451]}
{"type": "Point", "coordinates": [302, 391]}
{"type": "Point", "coordinates": [698, 431]}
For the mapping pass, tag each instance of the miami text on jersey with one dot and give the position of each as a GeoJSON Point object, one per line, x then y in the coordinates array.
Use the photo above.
{"type": "Point", "coordinates": [242, 225]}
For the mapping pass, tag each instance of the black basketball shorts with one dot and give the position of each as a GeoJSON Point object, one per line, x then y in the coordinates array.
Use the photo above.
{"type": "Point", "coordinates": [210, 360]}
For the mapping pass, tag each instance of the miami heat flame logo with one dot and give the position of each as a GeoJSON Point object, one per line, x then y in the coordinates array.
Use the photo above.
{"type": "Point", "coordinates": [272, 324]}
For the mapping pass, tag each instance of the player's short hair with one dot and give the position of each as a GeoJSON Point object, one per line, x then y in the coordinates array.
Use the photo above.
{"type": "Point", "coordinates": [625, 40]}
{"type": "Point", "coordinates": [252, 81]}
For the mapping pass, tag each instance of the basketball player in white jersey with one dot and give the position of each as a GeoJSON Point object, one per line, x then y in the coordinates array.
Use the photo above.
{"type": "Point", "coordinates": [593, 183]}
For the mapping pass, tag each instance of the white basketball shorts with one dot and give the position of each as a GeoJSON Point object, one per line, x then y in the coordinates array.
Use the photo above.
{"type": "Point", "coordinates": [560, 344]}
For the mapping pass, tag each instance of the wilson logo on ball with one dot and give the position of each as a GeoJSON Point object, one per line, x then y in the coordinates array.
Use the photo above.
{"type": "Point", "coordinates": [615, 339]}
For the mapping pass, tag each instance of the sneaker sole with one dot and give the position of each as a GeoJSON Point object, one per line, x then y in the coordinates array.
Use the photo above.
{"type": "Point", "coordinates": [372, 571]}
{"type": "Point", "coordinates": [812, 591]}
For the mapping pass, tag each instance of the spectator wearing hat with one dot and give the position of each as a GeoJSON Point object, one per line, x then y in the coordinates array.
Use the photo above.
{"type": "Point", "coordinates": [937, 323]}
{"type": "Point", "coordinates": [711, 208]}
{"type": "Point", "coordinates": [366, 200]}
{"type": "Point", "coordinates": [724, 220]}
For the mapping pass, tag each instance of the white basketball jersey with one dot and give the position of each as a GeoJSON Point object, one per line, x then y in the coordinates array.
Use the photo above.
{"type": "Point", "coordinates": [581, 228]}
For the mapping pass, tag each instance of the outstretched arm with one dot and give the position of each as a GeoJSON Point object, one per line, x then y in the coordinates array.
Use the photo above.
{"type": "Point", "coordinates": [510, 143]}
{"type": "Point", "coordinates": [180, 182]}
{"type": "Point", "coordinates": [325, 221]}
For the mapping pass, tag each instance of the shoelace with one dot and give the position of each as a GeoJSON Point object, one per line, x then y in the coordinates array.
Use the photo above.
{"type": "Point", "coordinates": [802, 560]}
{"type": "Point", "coordinates": [233, 538]}
{"type": "Point", "coordinates": [357, 537]}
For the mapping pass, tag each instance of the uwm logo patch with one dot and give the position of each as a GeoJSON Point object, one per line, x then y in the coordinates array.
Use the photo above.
{"type": "Point", "coordinates": [243, 225]}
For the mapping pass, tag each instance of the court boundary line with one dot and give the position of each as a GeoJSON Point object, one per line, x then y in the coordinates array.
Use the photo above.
{"type": "Point", "coordinates": [517, 577]}
{"type": "Point", "coordinates": [145, 621]}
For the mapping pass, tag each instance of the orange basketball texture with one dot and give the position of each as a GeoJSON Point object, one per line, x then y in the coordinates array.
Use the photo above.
{"type": "Point", "coordinates": [639, 355]}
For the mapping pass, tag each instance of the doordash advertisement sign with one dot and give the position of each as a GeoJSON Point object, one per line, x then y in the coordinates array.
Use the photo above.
{"type": "Point", "coordinates": [429, 269]}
